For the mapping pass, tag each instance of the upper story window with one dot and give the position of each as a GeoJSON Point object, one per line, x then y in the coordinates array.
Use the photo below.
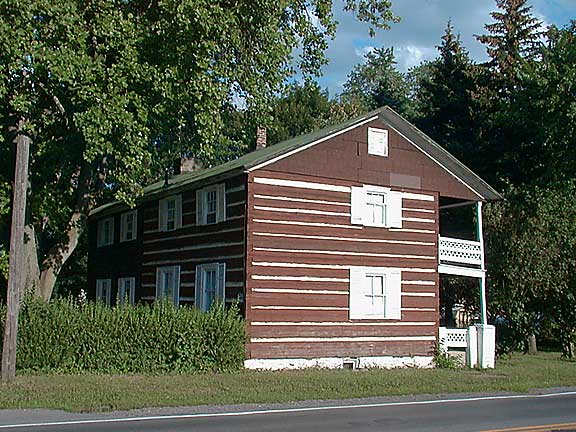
{"type": "Point", "coordinates": [128, 225]}
{"type": "Point", "coordinates": [103, 290]}
{"type": "Point", "coordinates": [377, 142]}
{"type": "Point", "coordinates": [375, 293]}
{"type": "Point", "coordinates": [168, 283]}
{"type": "Point", "coordinates": [211, 204]}
{"type": "Point", "coordinates": [170, 213]}
{"type": "Point", "coordinates": [105, 234]}
{"type": "Point", "coordinates": [126, 290]}
{"type": "Point", "coordinates": [376, 206]}
{"type": "Point", "coordinates": [210, 284]}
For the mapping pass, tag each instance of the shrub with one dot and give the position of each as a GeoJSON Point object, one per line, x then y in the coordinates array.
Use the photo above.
{"type": "Point", "coordinates": [65, 337]}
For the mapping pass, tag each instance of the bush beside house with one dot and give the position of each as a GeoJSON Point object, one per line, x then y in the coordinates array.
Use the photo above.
{"type": "Point", "coordinates": [62, 336]}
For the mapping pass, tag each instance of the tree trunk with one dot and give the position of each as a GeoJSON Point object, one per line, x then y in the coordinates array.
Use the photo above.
{"type": "Point", "coordinates": [16, 269]}
{"type": "Point", "coordinates": [59, 253]}
{"type": "Point", "coordinates": [58, 256]}
{"type": "Point", "coordinates": [532, 348]}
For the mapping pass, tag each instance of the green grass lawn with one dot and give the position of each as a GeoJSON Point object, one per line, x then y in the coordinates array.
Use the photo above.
{"type": "Point", "coordinates": [90, 393]}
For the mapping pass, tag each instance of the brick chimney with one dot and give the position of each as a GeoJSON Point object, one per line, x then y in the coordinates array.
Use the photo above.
{"type": "Point", "coordinates": [187, 164]}
{"type": "Point", "coordinates": [260, 137]}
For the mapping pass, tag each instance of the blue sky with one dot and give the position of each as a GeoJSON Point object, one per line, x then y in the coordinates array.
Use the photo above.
{"type": "Point", "coordinates": [416, 36]}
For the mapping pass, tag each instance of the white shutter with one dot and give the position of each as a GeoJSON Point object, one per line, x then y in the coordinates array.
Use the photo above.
{"type": "Point", "coordinates": [221, 202]}
{"type": "Point", "coordinates": [162, 215]}
{"type": "Point", "coordinates": [394, 295]}
{"type": "Point", "coordinates": [356, 293]}
{"type": "Point", "coordinates": [198, 288]}
{"type": "Point", "coordinates": [357, 205]}
{"type": "Point", "coordinates": [394, 208]}
{"type": "Point", "coordinates": [123, 221]}
{"type": "Point", "coordinates": [159, 280]}
{"type": "Point", "coordinates": [199, 207]}
{"type": "Point", "coordinates": [178, 211]}
{"type": "Point", "coordinates": [176, 282]}
{"type": "Point", "coordinates": [221, 290]}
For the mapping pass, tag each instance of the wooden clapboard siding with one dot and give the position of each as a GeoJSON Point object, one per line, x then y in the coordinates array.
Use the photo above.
{"type": "Point", "coordinates": [300, 246]}
{"type": "Point", "coordinates": [120, 259]}
{"type": "Point", "coordinates": [199, 244]}
{"type": "Point", "coordinates": [341, 349]}
{"type": "Point", "coordinates": [187, 246]}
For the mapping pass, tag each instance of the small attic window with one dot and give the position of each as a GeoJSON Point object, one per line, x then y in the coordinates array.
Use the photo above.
{"type": "Point", "coordinates": [377, 142]}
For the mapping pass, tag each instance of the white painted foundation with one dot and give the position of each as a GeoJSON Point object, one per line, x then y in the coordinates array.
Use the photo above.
{"type": "Point", "coordinates": [385, 362]}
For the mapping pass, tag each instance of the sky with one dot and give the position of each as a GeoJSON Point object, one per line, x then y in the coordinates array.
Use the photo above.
{"type": "Point", "coordinates": [422, 25]}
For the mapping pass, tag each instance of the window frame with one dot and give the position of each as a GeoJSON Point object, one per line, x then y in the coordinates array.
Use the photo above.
{"type": "Point", "coordinates": [100, 240]}
{"type": "Point", "coordinates": [121, 289]}
{"type": "Point", "coordinates": [202, 204]}
{"type": "Point", "coordinates": [161, 290]}
{"type": "Point", "coordinates": [200, 289]}
{"type": "Point", "coordinates": [360, 206]}
{"type": "Point", "coordinates": [104, 294]}
{"type": "Point", "coordinates": [124, 225]}
{"type": "Point", "coordinates": [163, 213]}
{"type": "Point", "coordinates": [378, 137]}
{"type": "Point", "coordinates": [359, 309]}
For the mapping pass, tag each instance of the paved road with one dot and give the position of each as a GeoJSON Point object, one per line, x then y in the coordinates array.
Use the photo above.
{"type": "Point", "coordinates": [464, 414]}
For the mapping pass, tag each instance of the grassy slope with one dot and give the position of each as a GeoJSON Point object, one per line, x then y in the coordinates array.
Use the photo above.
{"type": "Point", "coordinates": [121, 392]}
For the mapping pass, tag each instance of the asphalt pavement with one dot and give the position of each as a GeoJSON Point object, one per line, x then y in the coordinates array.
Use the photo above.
{"type": "Point", "coordinates": [551, 410]}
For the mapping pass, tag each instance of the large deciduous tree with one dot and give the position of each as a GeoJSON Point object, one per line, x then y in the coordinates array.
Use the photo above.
{"type": "Point", "coordinates": [112, 89]}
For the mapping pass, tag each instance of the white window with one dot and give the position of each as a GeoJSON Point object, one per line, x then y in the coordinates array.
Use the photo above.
{"type": "Point", "coordinates": [210, 283]}
{"type": "Point", "coordinates": [103, 290]}
{"type": "Point", "coordinates": [376, 206]}
{"type": "Point", "coordinates": [128, 224]}
{"type": "Point", "coordinates": [377, 142]}
{"type": "Point", "coordinates": [375, 293]}
{"type": "Point", "coordinates": [211, 204]}
{"type": "Point", "coordinates": [105, 235]}
{"type": "Point", "coordinates": [168, 283]}
{"type": "Point", "coordinates": [126, 288]}
{"type": "Point", "coordinates": [170, 213]}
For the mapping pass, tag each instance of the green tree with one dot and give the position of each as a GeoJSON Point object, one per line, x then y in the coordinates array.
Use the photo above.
{"type": "Point", "coordinates": [447, 96]}
{"type": "Point", "coordinates": [112, 90]}
{"type": "Point", "coordinates": [512, 41]}
{"type": "Point", "coordinates": [512, 38]}
{"type": "Point", "coordinates": [531, 254]}
{"type": "Point", "coordinates": [545, 110]}
{"type": "Point", "coordinates": [377, 82]}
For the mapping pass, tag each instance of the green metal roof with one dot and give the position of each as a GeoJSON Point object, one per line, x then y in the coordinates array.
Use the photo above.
{"type": "Point", "coordinates": [267, 154]}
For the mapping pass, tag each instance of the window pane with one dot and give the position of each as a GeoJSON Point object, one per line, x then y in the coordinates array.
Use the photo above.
{"type": "Point", "coordinates": [209, 288]}
{"type": "Point", "coordinates": [211, 206]}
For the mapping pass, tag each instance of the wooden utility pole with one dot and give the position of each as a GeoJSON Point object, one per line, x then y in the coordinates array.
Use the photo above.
{"type": "Point", "coordinates": [16, 277]}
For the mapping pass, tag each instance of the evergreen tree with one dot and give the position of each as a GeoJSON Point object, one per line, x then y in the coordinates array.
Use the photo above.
{"type": "Point", "coordinates": [377, 82]}
{"type": "Point", "coordinates": [512, 38]}
{"type": "Point", "coordinates": [446, 95]}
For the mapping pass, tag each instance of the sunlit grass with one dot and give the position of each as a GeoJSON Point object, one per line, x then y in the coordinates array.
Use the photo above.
{"type": "Point", "coordinates": [518, 373]}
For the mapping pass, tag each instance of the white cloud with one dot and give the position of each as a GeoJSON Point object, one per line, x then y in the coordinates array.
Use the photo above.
{"type": "Point", "coordinates": [421, 28]}
{"type": "Point", "coordinates": [363, 51]}
{"type": "Point", "coordinates": [408, 56]}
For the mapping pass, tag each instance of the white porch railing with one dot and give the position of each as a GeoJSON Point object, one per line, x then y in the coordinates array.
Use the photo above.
{"type": "Point", "coordinates": [452, 250]}
{"type": "Point", "coordinates": [478, 340]}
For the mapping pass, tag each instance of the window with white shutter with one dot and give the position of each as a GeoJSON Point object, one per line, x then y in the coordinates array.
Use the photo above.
{"type": "Point", "coordinates": [126, 290]}
{"type": "Point", "coordinates": [103, 290]}
{"type": "Point", "coordinates": [168, 283]}
{"type": "Point", "coordinates": [375, 293]}
{"type": "Point", "coordinates": [105, 232]}
{"type": "Point", "coordinates": [170, 213]}
{"type": "Point", "coordinates": [377, 142]}
{"type": "Point", "coordinates": [376, 206]}
{"type": "Point", "coordinates": [210, 285]}
{"type": "Point", "coordinates": [128, 226]}
{"type": "Point", "coordinates": [211, 204]}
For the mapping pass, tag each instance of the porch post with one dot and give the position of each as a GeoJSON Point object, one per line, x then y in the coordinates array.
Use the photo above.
{"type": "Point", "coordinates": [480, 238]}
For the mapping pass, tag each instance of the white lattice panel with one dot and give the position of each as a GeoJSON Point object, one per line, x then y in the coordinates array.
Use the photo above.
{"type": "Point", "coordinates": [453, 338]}
{"type": "Point", "coordinates": [460, 251]}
